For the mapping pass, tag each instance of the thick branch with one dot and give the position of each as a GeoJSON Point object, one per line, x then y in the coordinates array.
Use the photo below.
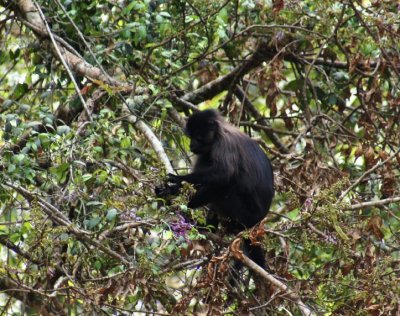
{"type": "Point", "coordinates": [76, 63]}
{"type": "Point", "coordinates": [305, 310]}
{"type": "Point", "coordinates": [13, 247]}
{"type": "Point", "coordinates": [80, 66]}
{"type": "Point", "coordinates": [148, 133]}
{"type": "Point", "coordinates": [264, 52]}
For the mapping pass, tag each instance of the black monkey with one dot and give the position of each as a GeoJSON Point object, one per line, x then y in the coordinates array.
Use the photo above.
{"type": "Point", "coordinates": [232, 175]}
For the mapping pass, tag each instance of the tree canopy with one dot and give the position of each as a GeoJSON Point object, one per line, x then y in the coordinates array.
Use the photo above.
{"type": "Point", "coordinates": [93, 100]}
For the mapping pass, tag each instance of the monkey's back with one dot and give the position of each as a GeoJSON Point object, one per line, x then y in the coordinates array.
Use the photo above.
{"type": "Point", "coordinates": [248, 196]}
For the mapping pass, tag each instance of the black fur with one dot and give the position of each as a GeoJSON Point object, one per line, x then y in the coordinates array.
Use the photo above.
{"type": "Point", "coordinates": [232, 175]}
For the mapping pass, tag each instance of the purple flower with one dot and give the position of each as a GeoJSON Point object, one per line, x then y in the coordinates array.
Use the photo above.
{"type": "Point", "coordinates": [180, 227]}
{"type": "Point", "coordinates": [331, 240]}
{"type": "Point", "coordinates": [307, 204]}
{"type": "Point", "coordinates": [130, 215]}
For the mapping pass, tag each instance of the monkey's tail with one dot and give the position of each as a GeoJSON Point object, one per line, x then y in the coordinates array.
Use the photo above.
{"type": "Point", "coordinates": [255, 253]}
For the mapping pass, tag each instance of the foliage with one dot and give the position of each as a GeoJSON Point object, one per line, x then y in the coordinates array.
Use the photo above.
{"type": "Point", "coordinates": [81, 230]}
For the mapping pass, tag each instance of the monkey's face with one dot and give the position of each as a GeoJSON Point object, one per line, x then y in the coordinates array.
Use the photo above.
{"type": "Point", "coordinates": [202, 129]}
{"type": "Point", "coordinates": [201, 142]}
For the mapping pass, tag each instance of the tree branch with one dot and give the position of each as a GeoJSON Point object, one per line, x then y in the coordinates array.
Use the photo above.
{"type": "Point", "coordinates": [305, 310]}
{"type": "Point", "coordinates": [80, 66]}
{"type": "Point", "coordinates": [13, 247]}
{"type": "Point", "coordinates": [151, 137]}
{"type": "Point", "coordinates": [374, 203]}
{"type": "Point", "coordinates": [263, 52]}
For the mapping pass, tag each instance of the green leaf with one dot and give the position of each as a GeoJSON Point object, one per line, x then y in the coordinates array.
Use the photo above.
{"type": "Point", "coordinates": [92, 222]}
{"type": "Point", "coordinates": [168, 235]}
{"type": "Point", "coordinates": [45, 140]}
{"type": "Point", "coordinates": [129, 7]}
{"type": "Point", "coordinates": [111, 214]}
{"type": "Point", "coordinates": [15, 237]}
{"type": "Point", "coordinates": [33, 124]}
{"type": "Point", "coordinates": [97, 265]}
{"type": "Point", "coordinates": [165, 14]}
{"type": "Point", "coordinates": [26, 228]}
{"type": "Point", "coordinates": [19, 158]}
{"type": "Point", "coordinates": [60, 171]}
{"type": "Point", "coordinates": [11, 168]}
{"type": "Point", "coordinates": [126, 143]}
{"type": "Point", "coordinates": [64, 237]}
{"type": "Point", "coordinates": [86, 177]}
{"type": "Point", "coordinates": [102, 176]}
{"type": "Point", "coordinates": [63, 129]}
{"type": "Point", "coordinates": [98, 149]}
{"type": "Point", "coordinates": [91, 203]}
{"type": "Point", "coordinates": [19, 90]}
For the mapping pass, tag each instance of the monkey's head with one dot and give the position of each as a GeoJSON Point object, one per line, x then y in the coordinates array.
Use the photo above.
{"type": "Point", "coordinates": [202, 129]}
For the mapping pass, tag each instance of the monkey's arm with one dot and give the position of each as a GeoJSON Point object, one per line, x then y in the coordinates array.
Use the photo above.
{"type": "Point", "coordinates": [203, 196]}
{"type": "Point", "coordinates": [208, 177]}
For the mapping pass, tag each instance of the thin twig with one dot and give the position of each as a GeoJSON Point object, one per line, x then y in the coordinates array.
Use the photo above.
{"type": "Point", "coordinates": [374, 203]}
{"type": "Point", "coordinates": [49, 32]}
{"type": "Point", "coordinates": [357, 182]}
{"type": "Point", "coordinates": [59, 218]}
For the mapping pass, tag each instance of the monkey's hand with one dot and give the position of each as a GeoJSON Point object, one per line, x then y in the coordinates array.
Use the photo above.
{"type": "Point", "coordinates": [165, 190]}
{"type": "Point", "coordinates": [173, 178]}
